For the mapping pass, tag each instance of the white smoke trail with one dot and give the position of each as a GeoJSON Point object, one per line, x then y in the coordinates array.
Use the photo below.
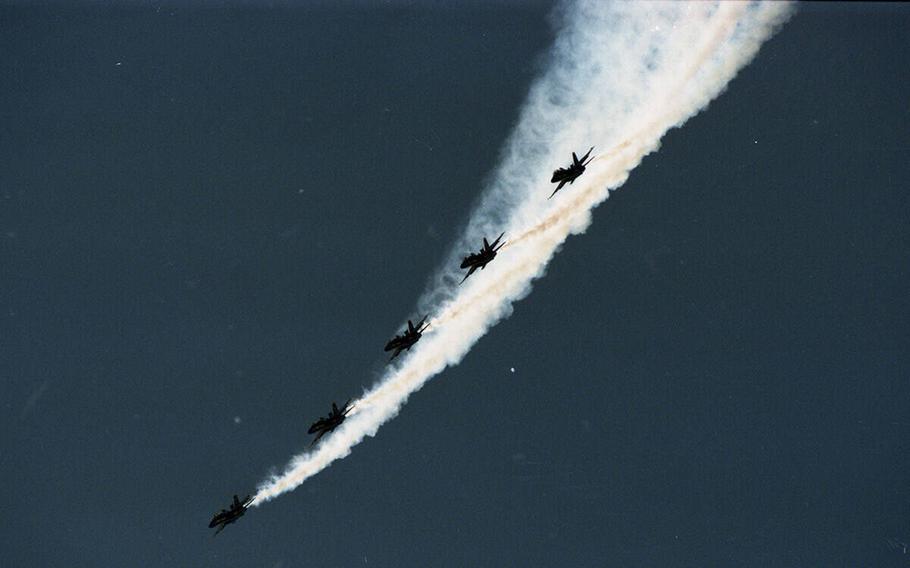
{"type": "Point", "coordinates": [620, 76]}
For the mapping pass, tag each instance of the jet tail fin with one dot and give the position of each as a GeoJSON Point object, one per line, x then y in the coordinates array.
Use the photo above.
{"type": "Point", "coordinates": [584, 159]}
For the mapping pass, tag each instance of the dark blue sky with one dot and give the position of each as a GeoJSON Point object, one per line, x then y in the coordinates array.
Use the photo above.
{"type": "Point", "coordinates": [211, 220]}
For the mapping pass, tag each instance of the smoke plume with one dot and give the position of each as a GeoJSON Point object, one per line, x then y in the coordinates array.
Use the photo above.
{"type": "Point", "coordinates": [618, 77]}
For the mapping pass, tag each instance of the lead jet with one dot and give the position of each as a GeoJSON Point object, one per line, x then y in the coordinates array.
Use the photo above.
{"type": "Point", "coordinates": [406, 340]}
{"type": "Point", "coordinates": [480, 259]}
{"type": "Point", "coordinates": [570, 174]}
{"type": "Point", "coordinates": [325, 425]}
{"type": "Point", "coordinates": [228, 516]}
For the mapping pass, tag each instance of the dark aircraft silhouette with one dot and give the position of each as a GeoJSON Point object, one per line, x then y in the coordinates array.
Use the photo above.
{"type": "Point", "coordinates": [480, 259]}
{"type": "Point", "coordinates": [228, 516]}
{"type": "Point", "coordinates": [406, 340]}
{"type": "Point", "coordinates": [325, 425]}
{"type": "Point", "coordinates": [570, 174]}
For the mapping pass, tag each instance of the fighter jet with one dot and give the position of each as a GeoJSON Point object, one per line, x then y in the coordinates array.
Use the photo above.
{"type": "Point", "coordinates": [325, 425]}
{"type": "Point", "coordinates": [570, 174]}
{"type": "Point", "coordinates": [480, 259]}
{"type": "Point", "coordinates": [406, 340]}
{"type": "Point", "coordinates": [228, 516]}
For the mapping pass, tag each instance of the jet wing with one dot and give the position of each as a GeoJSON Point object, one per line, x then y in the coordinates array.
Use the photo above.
{"type": "Point", "coordinates": [559, 175]}
{"type": "Point", "coordinates": [558, 187]}
{"type": "Point", "coordinates": [318, 437]}
{"type": "Point", "coordinates": [470, 272]}
{"type": "Point", "coordinates": [397, 352]}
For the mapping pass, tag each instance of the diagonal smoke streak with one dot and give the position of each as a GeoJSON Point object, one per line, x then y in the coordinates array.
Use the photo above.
{"type": "Point", "coordinates": [620, 76]}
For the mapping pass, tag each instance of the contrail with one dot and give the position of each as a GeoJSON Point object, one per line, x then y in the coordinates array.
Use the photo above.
{"type": "Point", "coordinates": [619, 77]}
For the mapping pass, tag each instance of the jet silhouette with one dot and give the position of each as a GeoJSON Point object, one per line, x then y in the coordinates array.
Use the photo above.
{"type": "Point", "coordinates": [480, 259]}
{"type": "Point", "coordinates": [570, 174]}
{"type": "Point", "coordinates": [228, 516]}
{"type": "Point", "coordinates": [406, 340]}
{"type": "Point", "coordinates": [325, 425]}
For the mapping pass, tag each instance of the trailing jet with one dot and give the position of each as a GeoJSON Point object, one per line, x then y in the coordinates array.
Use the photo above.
{"type": "Point", "coordinates": [480, 259]}
{"type": "Point", "coordinates": [406, 340]}
{"type": "Point", "coordinates": [325, 425]}
{"type": "Point", "coordinates": [570, 174]}
{"type": "Point", "coordinates": [228, 516]}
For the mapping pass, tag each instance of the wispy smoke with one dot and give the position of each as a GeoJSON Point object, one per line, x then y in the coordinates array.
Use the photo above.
{"type": "Point", "coordinates": [619, 77]}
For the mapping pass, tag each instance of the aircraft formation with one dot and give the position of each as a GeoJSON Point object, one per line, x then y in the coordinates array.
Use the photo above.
{"type": "Point", "coordinates": [408, 338]}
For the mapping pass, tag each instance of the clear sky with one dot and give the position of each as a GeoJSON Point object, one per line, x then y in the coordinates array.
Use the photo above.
{"type": "Point", "coordinates": [212, 219]}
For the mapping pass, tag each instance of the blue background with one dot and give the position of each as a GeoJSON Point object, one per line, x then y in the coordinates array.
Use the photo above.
{"type": "Point", "coordinates": [213, 217]}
